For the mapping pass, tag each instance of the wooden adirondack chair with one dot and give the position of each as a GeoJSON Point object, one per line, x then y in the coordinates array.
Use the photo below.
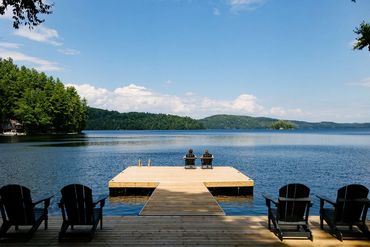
{"type": "Point", "coordinates": [349, 209]}
{"type": "Point", "coordinates": [190, 160]}
{"type": "Point", "coordinates": [206, 160]}
{"type": "Point", "coordinates": [78, 208]}
{"type": "Point", "coordinates": [18, 209]}
{"type": "Point", "coordinates": [290, 214]}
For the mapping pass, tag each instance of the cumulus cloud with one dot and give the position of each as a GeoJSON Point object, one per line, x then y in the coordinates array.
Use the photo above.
{"type": "Point", "coordinates": [138, 98]}
{"type": "Point", "coordinates": [40, 33]}
{"type": "Point", "coordinates": [37, 63]}
{"type": "Point", "coordinates": [240, 5]}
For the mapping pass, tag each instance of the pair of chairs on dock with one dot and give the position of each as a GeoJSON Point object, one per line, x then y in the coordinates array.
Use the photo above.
{"type": "Point", "coordinates": [206, 160]}
{"type": "Point", "coordinates": [289, 214]}
{"type": "Point", "coordinates": [77, 206]}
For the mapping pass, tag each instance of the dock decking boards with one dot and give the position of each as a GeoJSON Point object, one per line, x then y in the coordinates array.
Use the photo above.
{"type": "Point", "coordinates": [184, 231]}
{"type": "Point", "coordinates": [150, 177]}
{"type": "Point", "coordinates": [181, 199]}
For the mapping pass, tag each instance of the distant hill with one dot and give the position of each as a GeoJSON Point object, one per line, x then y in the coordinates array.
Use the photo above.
{"type": "Point", "coordinates": [236, 122]}
{"type": "Point", "coordinates": [98, 119]}
{"type": "Point", "coordinates": [246, 122]}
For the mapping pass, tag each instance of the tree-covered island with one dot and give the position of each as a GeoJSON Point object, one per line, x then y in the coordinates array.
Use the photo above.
{"type": "Point", "coordinates": [39, 102]}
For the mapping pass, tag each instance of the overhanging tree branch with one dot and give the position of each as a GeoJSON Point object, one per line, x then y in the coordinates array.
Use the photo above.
{"type": "Point", "coordinates": [26, 11]}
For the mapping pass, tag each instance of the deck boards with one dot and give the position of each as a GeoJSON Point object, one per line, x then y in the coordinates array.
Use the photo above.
{"type": "Point", "coordinates": [184, 231]}
{"type": "Point", "coordinates": [172, 198]}
{"type": "Point", "coordinates": [150, 177]}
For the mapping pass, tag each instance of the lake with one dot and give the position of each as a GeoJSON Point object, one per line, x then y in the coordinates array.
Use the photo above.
{"type": "Point", "coordinates": [324, 160]}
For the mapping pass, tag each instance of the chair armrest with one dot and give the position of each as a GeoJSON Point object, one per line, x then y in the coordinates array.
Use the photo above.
{"type": "Point", "coordinates": [269, 199]}
{"type": "Point", "coordinates": [101, 200]}
{"type": "Point", "coordinates": [303, 199]}
{"type": "Point", "coordinates": [190, 158]}
{"type": "Point", "coordinates": [325, 199]}
{"type": "Point", "coordinates": [46, 201]}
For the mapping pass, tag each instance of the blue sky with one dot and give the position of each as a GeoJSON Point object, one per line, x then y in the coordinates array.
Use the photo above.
{"type": "Point", "coordinates": [278, 58]}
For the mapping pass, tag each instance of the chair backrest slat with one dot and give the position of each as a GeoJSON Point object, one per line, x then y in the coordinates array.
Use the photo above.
{"type": "Point", "coordinates": [293, 210]}
{"type": "Point", "coordinates": [17, 204]}
{"type": "Point", "coordinates": [349, 206]}
{"type": "Point", "coordinates": [78, 203]}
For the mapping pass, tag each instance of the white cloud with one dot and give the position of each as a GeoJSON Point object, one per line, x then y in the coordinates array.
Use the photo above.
{"type": "Point", "coordinates": [363, 83]}
{"type": "Point", "coordinates": [41, 64]}
{"type": "Point", "coordinates": [240, 5]}
{"type": "Point", "coordinates": [168, 82]}
{"type": "Point", "coordinates": [40, 33]}
{"type": "Point", "coordinates": [278, 111]}
{"type": "Point", "coordinates": [138, 98]}
{"type": "Point", "coordinates": [68, 51]}
{"type": "Point", "coordinates": [10, 45]}
{"type": "Point", "coordinates": [7, 15]}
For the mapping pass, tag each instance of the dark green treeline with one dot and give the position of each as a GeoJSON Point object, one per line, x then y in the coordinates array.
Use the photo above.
{"type": "Point", "coordinates": [99, 119]}
{"type": "Point", "coordinates": [41, 103]}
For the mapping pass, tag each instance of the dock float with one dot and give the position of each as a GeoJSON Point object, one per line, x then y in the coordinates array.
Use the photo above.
{"type": "Point", "coordinates": [179, 191]}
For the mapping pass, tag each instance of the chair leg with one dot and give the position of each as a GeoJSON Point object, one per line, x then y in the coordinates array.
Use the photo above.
{"type": "Point", "coordinates": [16, 227]}
{"type": "Point", "coordinates": [364, 230]}
{"type": "Point", "coordinates": [46, 222]}
{"type": "Point", "coordinates": [4, 228]}
{"type": "Point", "coordinates": [63, 230]}
{"type": "Point", "coordinates": [101, 223]}
{"type": "Point", "coordinates": [279, 233]}
{"type": "Point", "coordinates": [321, 223]}
{"type": "Point", "coordinates": [338, 234]}
{"type": "Point", "coordinates": [34, 227]}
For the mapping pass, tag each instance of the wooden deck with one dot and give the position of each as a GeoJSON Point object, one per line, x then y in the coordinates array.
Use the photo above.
{"type": "Point", "coordinates": [151, 177]}
{"type": "Point", "coordinates": [180, 191]}
{"type": "Point", "coordinates": [181, 199]}
{"type": "Point", "coordinates": [184, 231]}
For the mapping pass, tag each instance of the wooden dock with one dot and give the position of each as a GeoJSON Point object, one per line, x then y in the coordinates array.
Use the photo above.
{"type": "Point", "coordinates": [181, 199]}
{"type": "Point", "coordinates": [180, 191]}
{"type": "Point", "coordinates": [152, 176]}
{"type": "Point", "coordinates": [185, 231]}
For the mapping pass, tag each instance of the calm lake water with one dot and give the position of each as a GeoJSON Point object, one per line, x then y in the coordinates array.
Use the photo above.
{"type": "Point", "coordinates": [324, 160]}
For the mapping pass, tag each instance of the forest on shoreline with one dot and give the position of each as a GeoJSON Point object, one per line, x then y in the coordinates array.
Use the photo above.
{"type": "Point", "coordinates": [39, 103]}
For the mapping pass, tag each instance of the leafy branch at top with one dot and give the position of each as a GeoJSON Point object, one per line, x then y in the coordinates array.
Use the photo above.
{"type": "Point", "coordinates": [26, 11]}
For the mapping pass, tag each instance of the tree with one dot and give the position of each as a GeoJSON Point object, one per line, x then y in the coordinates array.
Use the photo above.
{"type": "Point", "coordinates": [363, 32]}
{"type": "Point", "coordinates": [363, 39]}
{"type": "Point", "coordinates": [26, 11]}
{"type": "Point", "coordinates": [41, 103]}
{"type": "Point", "coordinates": [282, 124]}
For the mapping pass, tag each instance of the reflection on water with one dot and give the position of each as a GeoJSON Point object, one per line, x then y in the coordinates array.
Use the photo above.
{"type": "Point", "coordinates": [235, 205]}
{"type": "Point", "coordinates": [131, 205]}
{"type": "Point", "coordinates": [323, 160]}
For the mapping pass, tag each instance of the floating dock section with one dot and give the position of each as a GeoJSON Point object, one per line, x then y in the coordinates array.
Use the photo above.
{"type": "Point", "coordinates": [143, 179]}
{"type": "Point", "coordinates": [179, 191]}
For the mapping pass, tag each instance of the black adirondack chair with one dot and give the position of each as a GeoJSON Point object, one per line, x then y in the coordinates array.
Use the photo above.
{"type": "Point", "coordinates": [78, 208]}
{"type": "Point", "coordinates": [206, 160]}
{"type": "Point", "coordinates": [290, 214]}
{"type": "Point", "coordinates": [350, 209]}
{"type": "Point", "coordinates": [190, 160]}
{"type": "Point", "coordinates": [18, 209]}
